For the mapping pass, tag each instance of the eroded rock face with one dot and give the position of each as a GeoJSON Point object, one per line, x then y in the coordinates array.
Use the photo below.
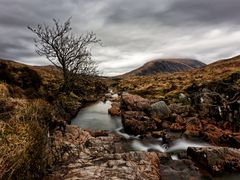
{"type": "Point", "coordinates": [217, 160]}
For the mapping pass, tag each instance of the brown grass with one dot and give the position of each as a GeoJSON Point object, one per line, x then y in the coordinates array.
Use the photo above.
{"type": "Point", "coordinates": [23, 140]}
{"type": "Point", "coordinates": [166, 86]}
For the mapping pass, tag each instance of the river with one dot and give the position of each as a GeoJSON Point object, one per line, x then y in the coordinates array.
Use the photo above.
{"type": "Point", "coordinates": [96, 117]}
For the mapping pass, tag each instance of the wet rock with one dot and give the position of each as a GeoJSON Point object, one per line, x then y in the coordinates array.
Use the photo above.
{"type": "Point", "coordinates": [136, 122]}
{"type": "Point", "coordinates": [99, 133]}
{"type": "Point", "coordinates": [160, 109]}
{"type": "Point", "coordinates": [217, 160]}
{"type": "Point", "coordinates": [180, 169]}
{"type": "Point", "coordinates": [134, 103]}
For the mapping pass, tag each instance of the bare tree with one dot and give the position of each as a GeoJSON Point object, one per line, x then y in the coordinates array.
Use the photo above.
{"type": "Point", "coordinates": [66, 51]}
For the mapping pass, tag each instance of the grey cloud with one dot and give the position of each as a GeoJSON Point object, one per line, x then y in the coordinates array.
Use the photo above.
{"type": "Point", "coordinates": [132, 31]}
{"type": "Point", "coordinates": [205, 11]}
{"type": "Point", "coordinates": [175, 13]}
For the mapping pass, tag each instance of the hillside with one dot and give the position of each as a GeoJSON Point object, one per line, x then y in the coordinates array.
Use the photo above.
{"type": "Point", "coordinates": [164, 86]}
{"type": "Point", "coordinates": [32, 109]}
{"type": "Point", "coordinates": [165, 66]}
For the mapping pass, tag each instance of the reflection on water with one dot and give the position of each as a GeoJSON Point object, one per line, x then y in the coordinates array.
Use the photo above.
{"type": "Point", "coordinates": [96, 117]}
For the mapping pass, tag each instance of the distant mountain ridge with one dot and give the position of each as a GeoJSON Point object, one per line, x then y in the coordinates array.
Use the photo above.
{"type": "Point", "coordinates": [165, 66]}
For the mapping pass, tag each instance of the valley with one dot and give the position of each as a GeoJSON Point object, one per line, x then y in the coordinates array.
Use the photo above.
{"type": "Point", "coordinates": [161, 126]}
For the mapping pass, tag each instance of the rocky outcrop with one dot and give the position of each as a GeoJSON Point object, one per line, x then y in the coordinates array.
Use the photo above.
{"type": "Point", "coordinates": [134, 118]}
{"type": "Point", "coordinates": [101, 157]}
{"type": "Point", "coordinates": [217, 160]}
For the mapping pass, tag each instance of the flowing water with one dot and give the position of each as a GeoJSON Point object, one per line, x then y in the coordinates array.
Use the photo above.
{"type": "Point", "coordinates": [96, 117]}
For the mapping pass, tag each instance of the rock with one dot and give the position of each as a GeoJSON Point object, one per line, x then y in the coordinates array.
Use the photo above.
{"type": "Point", "coordinates": [179, 120]}
{"type": "Point", "coordinates": [104, 157]}
{"type": "Point", "coordinates": [72, 107]}
{"type": "Point", "coordinates": [166, 124]}
{"type": "Point", "coordinates": [136, 122]}
{"type": "Point", "coordinates": [180, 109]}
{"type": "Point", "coordinates": [236, 141]}
{"type": "Point", "coordinates": [217, 160]}
{"type": "Point", "coordinates": [99, 133]}
{"type": "Point", "coordinates": [134, 103]}
{"type": "Point", "coordinates": [158, 134]}
{"type": "Point", "coordinates": [108, 95]}
{"type": "Point", "coordinates": [131, 166]}
{"type": "Point", "coordinates": [139, 115]}
{"type": "Point", "coordinates": [178, 170]}
{"type": "Point", "coordinates": [211, 133]}
{"type": "Point", "coordinates": [115, 109]}
{"type": "Point", "coordinates": [134, 127]}
{"type": "Point", "coordinates": [182, 96]}
{"type": "Point", "coordinates": [193, 127]}
{"type": "Point", "coordinates": [160, 109]}
{"type": "Point", "coordinates": [176, 127]}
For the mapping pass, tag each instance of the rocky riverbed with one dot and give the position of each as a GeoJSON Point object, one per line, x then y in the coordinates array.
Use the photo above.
{"type": "Point", "coordinates": [120, 155]}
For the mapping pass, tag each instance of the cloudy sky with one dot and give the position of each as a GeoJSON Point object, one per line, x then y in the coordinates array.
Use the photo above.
{"type": "Point", "coordinates": [132, 31]}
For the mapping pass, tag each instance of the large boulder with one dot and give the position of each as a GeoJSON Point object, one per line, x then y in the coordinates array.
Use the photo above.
{"type": "Point", "coordinates": [160, 109]}
{"type": "Point", "coordinates": [217, 160]}
{"type": "Point", "coordinates": [134, 103]}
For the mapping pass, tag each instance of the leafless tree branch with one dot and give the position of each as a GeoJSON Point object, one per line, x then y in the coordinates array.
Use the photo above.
{"type": "Point", "coordinates": [66, 51]}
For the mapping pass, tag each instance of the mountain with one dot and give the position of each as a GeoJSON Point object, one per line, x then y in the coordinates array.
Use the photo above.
{"type": "Point", "coordinates": [162, 85]}
{"type": "Point", "coordinates": [165, 66]}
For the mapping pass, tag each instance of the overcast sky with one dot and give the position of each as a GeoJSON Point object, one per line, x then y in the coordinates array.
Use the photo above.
{"type": "Point", "coordinates": [132, 31]}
